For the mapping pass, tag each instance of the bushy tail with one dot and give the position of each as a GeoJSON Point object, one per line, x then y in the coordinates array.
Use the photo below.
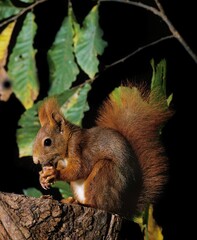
{"type": "Point", "coordinates": [139, 118]}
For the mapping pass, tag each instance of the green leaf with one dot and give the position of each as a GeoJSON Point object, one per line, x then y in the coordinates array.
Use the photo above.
{"type": "Point", "coordinates": [7, 9]}
{"type": "Point", "coordinates": [63, 69]}
{"type": "Point", "coordinates": [89, 44]}
{"type": "Point", "coordinates": [158, 83]}
{"type": "Point", "coordinates": [64, 188]}
{"type": "Point", "coordinates": [159, 76]}
{"type": "Point", "coordinates": [28, 1]}
{"type": "Point", "coordinates": [32, 192]}
{"type": "Point", "coordinates": [22, 66]}
{"type": "Point", "coordinates": [29, 126]}
{"type": "Point", "coordinates": [74, 108]}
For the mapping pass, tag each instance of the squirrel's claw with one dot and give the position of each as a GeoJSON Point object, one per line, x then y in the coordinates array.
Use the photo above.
{"type": "Point", "coordinates": [47, 177]}
{"type": "Point", "coordinates": [45, 186]}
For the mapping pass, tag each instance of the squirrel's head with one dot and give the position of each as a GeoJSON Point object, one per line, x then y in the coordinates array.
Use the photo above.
{"type": "Point", "coordinates": [51, 142]}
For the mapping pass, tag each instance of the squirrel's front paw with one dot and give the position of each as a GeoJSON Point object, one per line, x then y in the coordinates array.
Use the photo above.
{"type": "Point", "coordinates": [47, 176]}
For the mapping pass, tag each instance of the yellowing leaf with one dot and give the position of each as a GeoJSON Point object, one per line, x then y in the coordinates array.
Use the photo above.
{"type": "Point", "coordinates": [153, 231]}
{"type": "Point", "coordinates": [22, 65]}
{"type": "Point", "coordinates": [4, 42]}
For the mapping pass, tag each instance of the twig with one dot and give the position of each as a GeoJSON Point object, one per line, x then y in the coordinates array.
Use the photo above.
{"type": "Point", "coordinates": [139, 49]}
{"type": "Point", "coordinates": [137, 4]}
{"type": "Point", "coordinates": [159, 6]}
{"type": "Point", "coordinates": [22, 12]}
{"type": "Point", "coordinates": [175, 33]}
{"type": "Point", "coordinates": [160, 12]}
{"type": "Point", "coordinates": [128, 56]}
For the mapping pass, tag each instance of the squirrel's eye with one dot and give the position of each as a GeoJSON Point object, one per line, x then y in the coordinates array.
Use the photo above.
{"type": "Point", "coordinates": [47, 142]}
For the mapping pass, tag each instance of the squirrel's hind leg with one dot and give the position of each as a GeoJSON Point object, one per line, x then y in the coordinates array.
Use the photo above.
{"type": "Point", "coordinates": [103, 186]}
{"type": "Point", "coordinates": [69, 200]}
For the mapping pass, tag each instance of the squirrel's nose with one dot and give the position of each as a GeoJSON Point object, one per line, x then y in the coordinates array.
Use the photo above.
{"type": "Point", "coordinates": [36, 160]}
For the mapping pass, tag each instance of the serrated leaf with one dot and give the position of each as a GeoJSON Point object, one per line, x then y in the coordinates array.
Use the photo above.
{"type": "Point", "coordinates": [32, 192]}
{"type": "Point", "coordinates": [22, 66]}
{"type": "Point", "coordinates": [4, 42]}
{"type": "Point", "coordinates": [89, 44]}
{"type": "Point", "coordinates": [76, 105]}
{"type": "Point", "coordinates": [63, 69]}
{"type": "Point", "coordinates": [159, 76]}
{"type": "Point", "coordinates": [64, 188]}
{"type": "Point", "coordinates": [158, 82]}
{"type": "Point", "coordinates": [29, 126]}
{"type": "Point", "coordinates": [7, 9]}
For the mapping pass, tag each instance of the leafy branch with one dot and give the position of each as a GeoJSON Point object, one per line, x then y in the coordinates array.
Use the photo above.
{"type": "Point", "coordinates": [24, 10]}
{"type": "Point", "coordinates": [76, 49]}
{"type": "Point", "coordinates": [159, 11]}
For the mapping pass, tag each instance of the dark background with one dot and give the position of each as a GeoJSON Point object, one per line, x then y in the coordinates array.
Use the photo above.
{"type": "Point", "coordinates": [126, 28]}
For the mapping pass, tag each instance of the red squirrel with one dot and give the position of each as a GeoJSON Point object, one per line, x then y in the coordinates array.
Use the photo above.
{"type": "Point", "coordinates": [119, 165]}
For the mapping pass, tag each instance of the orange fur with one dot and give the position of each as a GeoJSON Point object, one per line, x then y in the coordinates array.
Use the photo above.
{"type": "Point", "coordinates": [47, 109]}
{"type": "Point", "coordinates": [118, 166]}
{"type": "Point", "coordinates": [139, 121]}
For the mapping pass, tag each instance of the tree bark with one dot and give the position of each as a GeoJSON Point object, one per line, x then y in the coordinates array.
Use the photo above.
{"type": "Point", "coordinates": [44, 218]}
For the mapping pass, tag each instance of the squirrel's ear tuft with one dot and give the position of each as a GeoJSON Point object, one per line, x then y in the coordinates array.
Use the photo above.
{"type": "Point", "coordinates": [58, 120]}
{"type": "Point", "coordinates": [48, 110]}
{"type": "Point", "coordinates": [42, 115]}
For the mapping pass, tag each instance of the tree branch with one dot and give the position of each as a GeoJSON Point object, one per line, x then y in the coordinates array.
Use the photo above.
{"type": "Point", "coordinates": [138, 50]}
{"type": "Point", "coordinates": [31, 218]}
{"type": "Point", "coordinates": [160, 13]}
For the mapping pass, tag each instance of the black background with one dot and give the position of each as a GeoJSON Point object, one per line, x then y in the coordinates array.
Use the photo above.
{"type": "Point", "coordinates": [126, 28]}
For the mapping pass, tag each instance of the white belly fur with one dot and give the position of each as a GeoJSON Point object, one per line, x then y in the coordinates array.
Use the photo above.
{"type": "Point", "coordinates": [78, 188]}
